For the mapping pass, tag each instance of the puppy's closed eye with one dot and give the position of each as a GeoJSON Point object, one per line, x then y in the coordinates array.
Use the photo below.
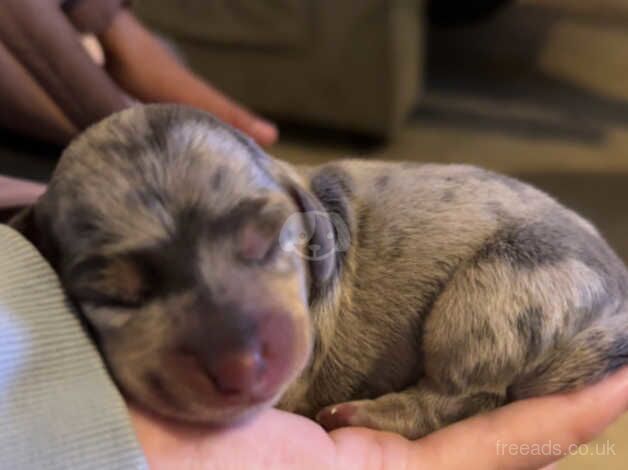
{"type": "Point", "coordinates": [259, 237]}
{"type": "Point", "coordinates": [114, 282]}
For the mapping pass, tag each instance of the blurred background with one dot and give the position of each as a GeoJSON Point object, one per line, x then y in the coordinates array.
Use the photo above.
{"type": "Point", "coordinates": [537, 89]}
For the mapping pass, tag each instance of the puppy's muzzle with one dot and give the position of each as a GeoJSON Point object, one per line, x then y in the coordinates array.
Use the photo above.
{"type": "Point", "coordinates": [251, 357]}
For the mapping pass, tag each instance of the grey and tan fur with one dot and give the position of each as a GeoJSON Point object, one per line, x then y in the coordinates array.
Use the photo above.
{"type": "Point", "coordinates": [426, 294]}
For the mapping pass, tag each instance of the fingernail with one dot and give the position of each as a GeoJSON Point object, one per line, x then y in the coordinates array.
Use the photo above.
{"type": "Point", "coordinates": [264, 132]}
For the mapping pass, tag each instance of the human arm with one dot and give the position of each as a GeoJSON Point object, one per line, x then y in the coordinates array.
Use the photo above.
{"type": "Point", "coordinates": [54, 88]}
{"type": "Point", "coordinates": [39, 35]}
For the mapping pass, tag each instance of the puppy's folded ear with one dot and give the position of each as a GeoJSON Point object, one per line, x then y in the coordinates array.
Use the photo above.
{"type": "Point", "coordinates": [24, 222]}
{"type": "Point", "coordinates": [34, 230]}
{"type": "Point", "coordinates": [320, 249]}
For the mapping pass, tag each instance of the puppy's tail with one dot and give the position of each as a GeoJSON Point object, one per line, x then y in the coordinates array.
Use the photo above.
{"type": "Point", "coordinates": [588, 357]}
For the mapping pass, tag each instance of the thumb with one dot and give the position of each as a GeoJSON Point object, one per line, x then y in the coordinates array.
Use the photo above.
{"type": "Point", "coordinates": [529, 433]}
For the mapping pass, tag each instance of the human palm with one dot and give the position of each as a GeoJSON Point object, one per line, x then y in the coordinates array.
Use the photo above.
{"type": "Point", "coordinates": [278, 440]}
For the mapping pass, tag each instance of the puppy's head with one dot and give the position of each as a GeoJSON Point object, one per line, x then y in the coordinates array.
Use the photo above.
{"type": "Point", "coordinates": [176, 237]}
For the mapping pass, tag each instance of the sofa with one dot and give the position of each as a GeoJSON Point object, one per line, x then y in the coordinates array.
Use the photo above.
{"type": "Point", "coordinates": [346, 64]}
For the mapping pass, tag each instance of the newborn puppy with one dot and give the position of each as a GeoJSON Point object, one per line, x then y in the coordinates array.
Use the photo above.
{"type": "Point", "coordinates": [402, 297]}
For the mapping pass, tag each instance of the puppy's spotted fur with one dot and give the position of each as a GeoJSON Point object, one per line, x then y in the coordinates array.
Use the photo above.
{"type": "Point", "coordinates": [427, 293]}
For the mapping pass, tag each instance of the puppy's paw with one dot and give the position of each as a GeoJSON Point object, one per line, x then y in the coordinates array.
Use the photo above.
{"type": "Point", "coordinates": [353, 413]}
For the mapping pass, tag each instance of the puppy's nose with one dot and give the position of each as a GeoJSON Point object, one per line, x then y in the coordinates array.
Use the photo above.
{"type": "Point", "coordinates": [238, 372]}
{"type": "Point", "coordinates": [257, 363]}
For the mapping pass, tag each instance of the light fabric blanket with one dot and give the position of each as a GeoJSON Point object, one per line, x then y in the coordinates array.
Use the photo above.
{"type": "Point", "coordinates": [59, 409]}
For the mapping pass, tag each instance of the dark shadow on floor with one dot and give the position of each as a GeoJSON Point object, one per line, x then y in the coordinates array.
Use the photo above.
{"type": "Point", "coordinates": [494, 65]}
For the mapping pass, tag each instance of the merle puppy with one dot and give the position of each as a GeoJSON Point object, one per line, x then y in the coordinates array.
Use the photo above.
{"type": "Point", "coordinates": [219, 281]}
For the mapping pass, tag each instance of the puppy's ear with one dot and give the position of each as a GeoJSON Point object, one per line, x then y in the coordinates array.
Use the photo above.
{"type": "Point", "coordinates": [321, 248]}
{"type": "Point", "coordinates": [24, 222]}
{"type": "Point", "coordinates": [33, 228]}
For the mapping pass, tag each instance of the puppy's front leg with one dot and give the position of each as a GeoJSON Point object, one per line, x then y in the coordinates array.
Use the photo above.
{"type": "Point", "coordinates": [413, 412]}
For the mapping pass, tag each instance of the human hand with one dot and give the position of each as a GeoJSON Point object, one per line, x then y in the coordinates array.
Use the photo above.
{"type": "Point", "coordinates": [146, 70]}
{"type": "Point", "coordinates": [17, 192]}
{"type": "Point", "coordinates": [278, 440]}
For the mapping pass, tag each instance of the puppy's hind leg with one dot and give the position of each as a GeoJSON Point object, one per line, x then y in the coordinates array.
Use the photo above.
{"type": "Point", "coordinates": [413, 412]}
{"type": "Point", "coordinates": [476, 339]}
{"type": "Point", "coordinates": [586, 358]}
